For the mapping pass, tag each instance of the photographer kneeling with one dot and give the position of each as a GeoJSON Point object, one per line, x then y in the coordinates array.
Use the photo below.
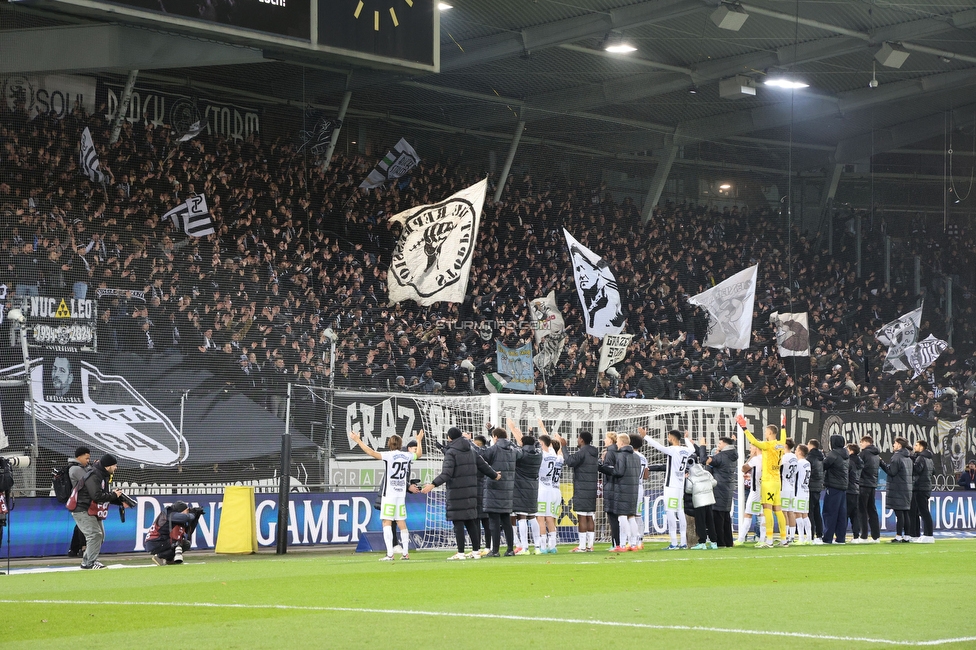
{"type": "Point", "coordinates": [170, 534]}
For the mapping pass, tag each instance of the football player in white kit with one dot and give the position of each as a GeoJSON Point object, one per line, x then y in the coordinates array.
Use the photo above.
{"type": "Point", "coordinates": [787, 472]}
{"type": "Point", "coordinates": [753, 471]}
{"type": "Point", "coordinates": [550, 497]}
{"type": "Point", "coordinates": [393, 500]}
{"type": "Point", "coordinates": [680, 450]}
{"type": "Point", "coordinates": [801, 501]}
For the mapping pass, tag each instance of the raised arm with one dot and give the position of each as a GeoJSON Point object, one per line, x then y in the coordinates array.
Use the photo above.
{"type": "Point", "coordinates": [515, 431]}
{"type": "Point", "coordinates": [420, 446]}
{"type": "Point", "coordinates": [657, 445]}
{"type": "Point", "coordinates": [741, 421]}
{"type": "Point", "coordinates": [369, 450]}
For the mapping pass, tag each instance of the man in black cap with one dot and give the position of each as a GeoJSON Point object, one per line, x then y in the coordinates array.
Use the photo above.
{"type": "Point", "coordinates": [170, 534]}
{"type": "Point", "coordinates": [91, 507]}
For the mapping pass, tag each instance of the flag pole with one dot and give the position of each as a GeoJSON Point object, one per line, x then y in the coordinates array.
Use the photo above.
{"type": "Point", "coordinates": [284, 483]}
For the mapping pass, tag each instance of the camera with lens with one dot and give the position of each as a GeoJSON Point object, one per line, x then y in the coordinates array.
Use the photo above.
{"type": "Point", "coordinates": [126, 501]}
{"type": "Point", "coordinates": [18, 461]}
{"type": "Point", "coordinates": [197, 511]}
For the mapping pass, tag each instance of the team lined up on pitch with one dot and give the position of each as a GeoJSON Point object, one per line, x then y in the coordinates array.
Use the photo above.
{"type": "Point", "coordinates": [512, 487]}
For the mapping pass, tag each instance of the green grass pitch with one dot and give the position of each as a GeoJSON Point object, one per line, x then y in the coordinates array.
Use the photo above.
{"type": "Point", "coordinates": [820, 597]}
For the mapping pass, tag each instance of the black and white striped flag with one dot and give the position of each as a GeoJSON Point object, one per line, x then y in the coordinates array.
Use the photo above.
{"type": "Point", "coordinates": [193, 217]}
{"type": "Point", "coordinates": [89, 159]}
{"type": "Point", "coordinates": [923, 354]}
{"type": "Point", "coordinates": [395, 164]}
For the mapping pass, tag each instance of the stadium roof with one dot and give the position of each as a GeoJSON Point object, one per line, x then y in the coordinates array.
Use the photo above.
{"type": "Point", "coordinates": [542, 62]}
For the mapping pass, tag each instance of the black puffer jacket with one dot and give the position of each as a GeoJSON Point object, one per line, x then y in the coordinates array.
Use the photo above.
{"type": "Point", "coordinates": [482, 479]}
{"type": "Point", "coordinates": [585, 473]}
{"type": "Point", "coordinates": [626, 473]}
{"type": "Point", "coordinates": [526, 496]}
{"type": "Point", "coordinates": [816, 458]}
{"type": "Point", "coordinates": [871, 457]}
{"type": "Point", "coordinates": [460, 472]}
{"type": "Point", "coordinates": [502, 456]}
{"type": "Point", "coordinates": [899, 471]}
{"type": "Point", "coordinates": [854, 467]}
{"type": "Point", "coordinates": [723, 467]}
{"type": "Point", "coordinates": [96, 488]}
{"type": "Point", "coordinates": [836, 464]}
{"type": "Point", "coordinates": [922, 468]}
{"type": "Point", "coordinates": [610, 458]}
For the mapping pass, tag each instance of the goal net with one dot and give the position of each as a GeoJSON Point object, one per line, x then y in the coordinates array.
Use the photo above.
{"type": "Point", "coordinates": [570, 416]}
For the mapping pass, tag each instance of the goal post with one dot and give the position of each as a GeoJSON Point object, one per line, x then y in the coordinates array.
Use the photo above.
{"type": "Point", "coordinates": [377, 416]}
{"type": "Point", "coordinates": [570, 416]}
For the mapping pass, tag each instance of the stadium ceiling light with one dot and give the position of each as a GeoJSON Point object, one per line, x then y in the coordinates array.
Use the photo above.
{"type": "Point", "coordinates": [725, 186]}
{"type": "Point", "coordinates": [786, 82]}
{"type": "Point", "coordinates": [443, 6]}
{"type": "Point", "coordinates": [616, 44]}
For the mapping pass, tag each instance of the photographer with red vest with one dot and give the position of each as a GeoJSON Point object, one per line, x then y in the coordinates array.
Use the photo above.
{"type": "Point", "coordinates": [170, 534]}
{"type": "Point", "coordinates": [90, 507]}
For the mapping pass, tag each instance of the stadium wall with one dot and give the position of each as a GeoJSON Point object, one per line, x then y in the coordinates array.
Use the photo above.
{"type": "Point", "coordinates": [40, 527]}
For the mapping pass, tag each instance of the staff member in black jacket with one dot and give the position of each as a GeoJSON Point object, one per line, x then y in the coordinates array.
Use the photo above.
{"type": "Point", "coordinates": [854, 468]}
{"type": "Point", "coordinates": [92, 508]}
{"type": "Point", "coordinates": [723, 467]}
{"type": "Point", "coordinates": [923, 464]}
{"type": "Point", "coordinates": [867, 510]}
{"type": "Point", "coordinates": [503, 456]}
{"type": "Point", "coordinates": [609, 507]}
{"type": "Point", "coordinates": [460, 472]}
{"type": "Point", "coordinates": [585, 475]}
{"type": "Point", "coordinates": [899, 496]}
{"type": "Point", "coordinates": [835, 502]}
{"type": "Point", "coordinates": [525, 500]}
{"type": "Point", "coordinates": [816, 458]}
{"type": "Point", "coordinates": [626, 472]}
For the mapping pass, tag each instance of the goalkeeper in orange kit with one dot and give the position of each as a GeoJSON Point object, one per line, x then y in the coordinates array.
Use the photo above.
{"type": "Point", "coordinates": [773, 448]}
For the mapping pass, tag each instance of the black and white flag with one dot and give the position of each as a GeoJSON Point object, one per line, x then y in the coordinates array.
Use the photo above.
{"type": "Point", "coordinates": [550, 332]}
{"type": "Point", "coordinates": [614, 350]}
{"type": "Point", "coordinates": [395, 164]}
{"type": "Point", "coordinates": [597, 289]}
{"type": "Point", "coordinates": [898, 335]}
{"type": "Point", "coordinates": [192, 217]}
{"type": "Point", "coordinates": [729, 305]}
{"type": "Point", "coordinates": [318, 138]}
{"type": "Point", "coordinates": [792, 334]}
{"type": "Point", "coordinates": [923, 354]}
{"type": "Point", "coordinates": [195, 129]}
{"type": "Point", "coordinates": [89, 159]}
{"type": "Point", "coordinates": [432, 261]}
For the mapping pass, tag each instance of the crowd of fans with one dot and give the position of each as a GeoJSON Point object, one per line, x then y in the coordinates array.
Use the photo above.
{"type": "Point", "coordinates": [301, 252]}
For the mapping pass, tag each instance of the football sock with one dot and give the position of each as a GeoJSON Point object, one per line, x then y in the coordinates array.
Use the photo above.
{"type": "Point", "coordinates": [534, 525]}
{"type": "Point", "coordinates": [553, 540]}
{"type": "Point", "coordinates": [744, 529]}
{"type": "Point", "coordinates": [673, 527]}
{"type": "Point", "coordinates": [590, 538]}
{"type": "Point", "coordinates": [405, 540]}
{"type": "Point", "coordinates": [388, 539]}
{"type": "Point", "coordinates": [781, 522]}
{"type": "Point", "coordinates": [624, 530]}
{"type": "Point", "coordinates": [635, 531]}
{"type": "Point", "coordinates": [582, 538]}
{"type": "Point", "coordinates": [682, 528]}
{"type": "Point", "coordinates": [523, 533]}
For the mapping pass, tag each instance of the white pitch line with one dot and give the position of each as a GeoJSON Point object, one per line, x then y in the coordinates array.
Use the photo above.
{"type": "Point", "coordinates": [504, 617]}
